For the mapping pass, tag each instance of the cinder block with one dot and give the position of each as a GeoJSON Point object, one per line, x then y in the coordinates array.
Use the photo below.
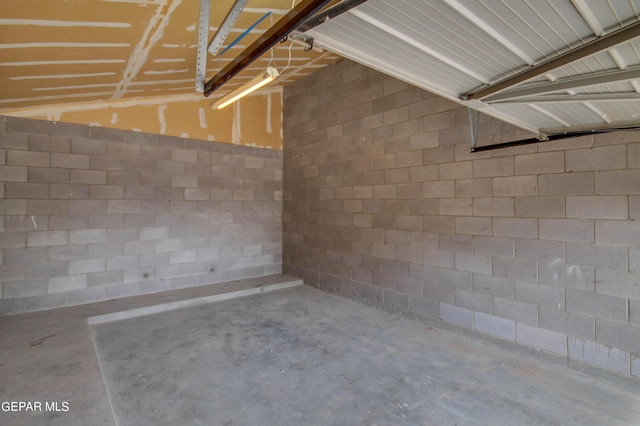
{"type": "Point", "coordinates": [593, 159]}
{"type": "Point", "coordinates": [456, 315]}
{"type": "Point", "coordinates": [573, 230]}
{"type": "Point", "coordinates": [566, 275]}
{"type": "Point", "coordinates": [633, 155]}
{"type": "Point", "coordinates": [455, 279]}
{"type": "Point", "coordinates": [515, 310]}
{"type": "Point", "coordinates": [428, 173]}
{"type": "Point", "coordinates": [473, 263]}
{"type": "Point", "coordinates": [493, 246]}
{"type": "Point", "coordinates": [455, 207]}
{"type": "Point", "coordinates": [474, 187]}
{"type": "Point", "coordinates": [456, 171]}
{"type": "Point", "coordinates": [566, 184]}
{"type": "Point", "coordinates": [423, 307]}
{"type": "Point", "coordinates": [185, 182]}
{"type": "Point", "coordinates": [618, 335]}
{"type": "Point", "coordinates": [122, 262]}
{"type": "Point", "coordinates": [95, 177]}
{"type": "Point", "coordinates": [99, 279]}
{"type": "Point", "coordinates": [540, 207]}
{"type": "Point", "coordinates": [620, 182]}
{"type": "Point", "coordinates": [635, 365]}
{"type": "Point", "coordinates": [618, 233]}
{"type": "Point", "coordinates": [45, 301]}
{"type": "Point", "coordinates": [12, 272]}
{"type": "Point", "coordinates": [493, 167]}
{"type": "Point", "coordinates": [70, 283]}
{"type": "Point", "coordinates": [67, 191]}
{"type": "Point", "coordinates": [106, 192]}
{"type": "Point", "coordinates": [474, 225]}
{"type": "Point", "coordinates": [540, 294]}
{"type": "Point", "coordinates": [438, 293]}
{"type": "Point", "coordinates": [13, 207]}
{"type": "Point", "coordinates": [14, 140]}
{"type": "Point", "coordinates": [85, 266]}
{"type": "Point", "coordinates": [602, 356]}
{"type": "Point", "coordinates": [516, 228]}
{"type": "Point", "coordinates": [495, 326]}
{"type": "Point", "coordinates": [601, 207]}
{"type": "Point", "coordinates": [618, 283]}
{"type": "Point", "coordinates": [540, 163]}
{"type": "Point", "coordinates": [566, 322]}
{"type": "Point", "coordinates": [538, 338]}
{"type": "Point", "coordinates": [27, 158]}
{"type": "Point", "coordinates": [540, 250]}
{"type": "Point", "coordinates": [457, 243]}
{"type": "Point", "coordinates": [13, 174]}
{"type": "Point", "coordinates": [494, 207]}
{"type": "Point", "coordinates": [494, 286]}
{"type": "Point", "coordinates": [47, 238]}
{"type": "Point", "coordinates": [123, 206]}
{"type": "Point", "coordinates": [26, 190]}
{"type": "Point", "coordinates": [471, 300]}
{"type": "Point", "coordinates": [85, 236]}
{"type": "Point", "coordinates": [23, 288]}
{"type": "Point", "coordinates": [440, 189]}
{"type": "Point", "coordinates": [596, 305]}
{"type": "Point", "coordinates": [70, 161]}
{"type": "Point", "coordinates": [515, 186]}
{"type": "Point", "coordinates": [87, 295]}
{"type": "Point", "coordinates": [69, 130]}
{"type": "Point", "coordinates": [634, 260]}
{"type": "Point", "coordinates": [598, 256]}
{"type": "Point", "coordinates": [395, 299]}
{"type": "Point", "coordinates": [519, 269]}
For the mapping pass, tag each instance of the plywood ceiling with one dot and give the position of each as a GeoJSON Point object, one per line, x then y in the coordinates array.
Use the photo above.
{"type": "Point", "coordinates": [81, 51]}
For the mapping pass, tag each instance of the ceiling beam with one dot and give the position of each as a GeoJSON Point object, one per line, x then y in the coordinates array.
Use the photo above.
{"type": "Point", "coordinates": [329, 14]}
{"type": "Point", "coordinates": [273, 35]}
{"type": "Point", "coordinates": [614, 125]}
{"type": "Point", "coordinates": [567, 84]}
{"type": "Point", "coordinates": [591, 97]}
{"type": "Point", "coordinates": [587, 49]}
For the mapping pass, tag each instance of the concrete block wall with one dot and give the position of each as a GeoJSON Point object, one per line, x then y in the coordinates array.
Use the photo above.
{"type": "Point", "coordinates": [90, 213]}
{"type": "Point", "coordinates": [537, 244]}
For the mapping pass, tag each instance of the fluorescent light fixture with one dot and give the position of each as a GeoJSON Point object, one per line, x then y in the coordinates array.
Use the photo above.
{"type": "Point", "coordinates": [262, 80]}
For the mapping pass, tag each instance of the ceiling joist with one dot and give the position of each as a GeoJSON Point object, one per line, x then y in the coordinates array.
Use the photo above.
{"type": "Point", "coordinates": [602, 43]}
{"type": "Point", "coordinates": [566, 84]}
{"type": "Point", "coordinates": [566, 98]}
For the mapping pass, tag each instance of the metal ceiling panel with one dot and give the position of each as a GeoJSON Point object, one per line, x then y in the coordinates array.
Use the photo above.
{"type": "Point", "coordinates": [453, 47]}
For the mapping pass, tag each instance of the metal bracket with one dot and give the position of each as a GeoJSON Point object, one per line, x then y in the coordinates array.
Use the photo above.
{"type": "Point", "coordinates": [227, 25]}
{"type": "Point", "coordinates": [203, 37]}
{"type": "Point", "coordinates": [473, 127]}
{"type": "Point", "coordinates": [302, 39]}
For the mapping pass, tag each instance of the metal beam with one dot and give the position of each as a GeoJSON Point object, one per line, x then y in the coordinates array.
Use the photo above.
{"type": "Point", "coordinates": [614, 125]}
{"type": "Point", "coordinates": [226, 26]}
{"type": "Point", "coordinates": [567, 84]}
{"type": "Point", "coordinates": [330, 13]}
{"type": "Point", "coordinates": [273, 35]}
{"type": "Point", "coordinates": [203, 33]}
{"type": "Point", "coordinates": [587, 49]}
{"type": "Point", "coordinates": [591, 97]}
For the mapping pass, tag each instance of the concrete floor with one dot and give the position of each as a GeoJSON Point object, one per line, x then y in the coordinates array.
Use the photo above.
{"type": "Point", "coordinates": [293, 357]}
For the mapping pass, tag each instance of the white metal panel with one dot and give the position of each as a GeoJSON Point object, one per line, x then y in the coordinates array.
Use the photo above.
{"type": "Point", "coordinates": [452, 47]}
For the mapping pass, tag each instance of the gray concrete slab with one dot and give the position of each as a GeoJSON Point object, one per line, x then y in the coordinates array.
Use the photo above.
{"type": "Point", "coordinates": [48, 356]}
{"type": "Point", "coordinates": [304, 357]}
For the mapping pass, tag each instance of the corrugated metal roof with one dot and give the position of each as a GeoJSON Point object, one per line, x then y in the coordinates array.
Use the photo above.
{"type": "Point", "coordinates": [455, 47]}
